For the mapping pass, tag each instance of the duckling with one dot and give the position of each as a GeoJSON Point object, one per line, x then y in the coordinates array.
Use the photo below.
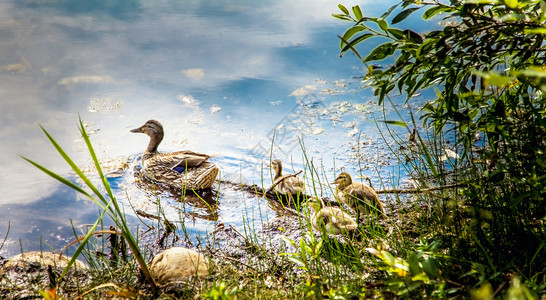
{"type": "Point", "coordinates": [286, 184]}
{"type": "Point", "coordinates": [183, 170]}
{"type": "Point", "coordinates": [330, 219]}
{"type": "Point", "coordinates": [360, 197]}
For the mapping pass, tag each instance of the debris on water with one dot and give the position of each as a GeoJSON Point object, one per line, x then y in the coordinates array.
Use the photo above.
{"type": "Point", "coordinates": [97, 104]}
{"type": "Point", "coordinates": [353, 132]}
{"type": "Point", "coordinates": [328, 91]}
{"type": "Point", "coordinates": [351, 124]}
{"type": "Point", "coordinates": [111, 167]}
{"type": "Point", "coordinates": [448, 153]}
{"type": "Point", "coordinates": [343, 107]}
{"type": "Point", "coordinates": [214, 109]}
{"type": "Point", "coordinates": [13, 68]}
{"type": "Point", "coordinates": [189, 100]}
{"type": "Point", "coordinates": [304, 91]}
{"type": "Point", "coordinates": [317, 130]}
{"type": "Point", "coordinates": [321, 81]}
{"type": "Point", "coordinates": [195, 74]}
{"type": "Point", "coordinates": [363, 108]}
{"type": "Point", "coordinates": [340, 83]}
{"type": "Point", "coordinates": [85, 79]}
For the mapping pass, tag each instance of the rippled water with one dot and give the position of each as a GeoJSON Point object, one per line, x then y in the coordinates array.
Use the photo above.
{"type": "Point", "coordinates": [223, 77]}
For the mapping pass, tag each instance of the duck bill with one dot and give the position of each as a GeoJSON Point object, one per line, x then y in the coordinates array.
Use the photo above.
{"type": "Point", "coordinates": [137, 130]}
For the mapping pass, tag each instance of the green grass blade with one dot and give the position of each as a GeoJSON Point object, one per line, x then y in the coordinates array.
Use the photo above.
{"type": "Point", "coordinates": [6, 237]}
{"type": "Point", "coordinates": [96, 162]}
{"type": "Point", "coordinates": [63, 180]}
{"type": "Point", "coordinates": [119, 218]}
{"type": "Point", "coordinates": [83, 243]}
{"type": "Point", "coordinates": [74, 166]}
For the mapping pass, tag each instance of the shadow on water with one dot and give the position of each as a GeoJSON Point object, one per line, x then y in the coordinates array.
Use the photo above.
{"type": "Point", "coordinates": [49, 223]}
{"type": "Point", "coordinates": [201, 204]}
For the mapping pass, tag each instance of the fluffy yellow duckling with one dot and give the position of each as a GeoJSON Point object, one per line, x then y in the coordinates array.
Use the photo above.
{"type": "Point", "coordinates": [360, 197]}
{"type": "Point", "coordinates": [332, 220]}
{"type": "Point", "coordinates": [181, 170]}
{"type": "Point", "coordinates": [286, 184]}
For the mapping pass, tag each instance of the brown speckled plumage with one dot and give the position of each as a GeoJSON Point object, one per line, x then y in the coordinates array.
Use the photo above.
{"type": "Point", "coordinates": [360, 197]}
{"type": "Point", "coordinates": [286, 184]}
{"type": "Point", "coordinates": [331, 219]}
{"type": "Point", "coordinates": [198, 173]}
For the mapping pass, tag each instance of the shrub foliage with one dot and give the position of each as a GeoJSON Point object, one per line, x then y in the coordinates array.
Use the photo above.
{"type": "Point", "coordinates": [487, 63]}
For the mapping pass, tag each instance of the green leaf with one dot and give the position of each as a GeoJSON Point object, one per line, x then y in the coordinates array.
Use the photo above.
{"type": "Point", "coordinates": [413, 262]}
{"type": "Point", "coordinates": [296, 260]}
{"type": "Point", "coordinates": [396, 123]}
{"type": "Point", "coordinates": [388, 12]}
{"type": "Point", "coordinates": [421, 277]}
{"type": "Point", "coordinates": [396, 33]}
{"type": "Point", "coordinates": [355, 42]}
{"type": "Point", "coordinates": [288, 241]}
{"type": "Point", "coordinates": [513, 4]}
{"type": "Point", "coordinates": [431, 12]}
{"type": "Point", "coordinates": [343, 9]}
{"type": "Point", "coordinates": [342, 17]}
{"type": "Point", "coordinates": [494, 78]}
{"type": "Point", "coordinates": [413, 36]}
{"type": "Point", "coordinates": [380, 52]}
{"type": "Point", "coordinates": [357, 12]}
{"type": "Point", "coordinates": [430, 267]}
{"type": "Point", "coordinates": [533, 71]}
{"type": "Point", "coordinates": [403, 15]}
{"type": "Point", "coordinates": [541, 30]}
{"type": "Point", "coordinates": [350, 32]}
{"type": "Point", "coordinates": [491, 2]}
{"type": "Point", "coordinates": [385, 89]}
{"type": "Point", "coordinates": [382, 24]}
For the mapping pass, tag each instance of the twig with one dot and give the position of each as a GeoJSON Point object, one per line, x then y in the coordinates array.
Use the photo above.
{"type": "Point", "coordinates": [238, 232]}
{"type": "Point", "coordinates": [417, 191]}
{"type": "Point", "coordinates": [283, 179]}
{"type": "Point", "coordinates": [235, 260]}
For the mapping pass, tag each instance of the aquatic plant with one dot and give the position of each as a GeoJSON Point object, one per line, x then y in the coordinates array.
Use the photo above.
{"type": "Point", "coordinates": [107, 203]}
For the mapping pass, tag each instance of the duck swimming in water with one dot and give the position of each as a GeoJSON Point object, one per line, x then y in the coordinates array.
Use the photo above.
{"type": "Point", "coordinates": [182, 170]}
{"type": "Point", "coordinates": [286, 184]}
{"type": "Point", "coordinates": [360, 197]}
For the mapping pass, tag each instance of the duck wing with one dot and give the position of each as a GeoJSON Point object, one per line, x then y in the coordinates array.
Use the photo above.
{"type": "Point", "coordinates": [361, 194]}
{"type": "Point", "coordinates": [188, 159]}
{"type": "Point", "coordinates": [289, 184]}
{"type": "Point", "coordinates": [179, 161]}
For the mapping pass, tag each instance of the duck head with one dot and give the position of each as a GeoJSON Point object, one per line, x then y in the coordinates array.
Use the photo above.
{"type": "Point", "coordinates": [276, 165]}
{"type": "Point", "coordinates": [154, 130]}
{"type": "Point", "coordinates": [315, 204]}
{"type": "Point", "coordinates": [343, 180]}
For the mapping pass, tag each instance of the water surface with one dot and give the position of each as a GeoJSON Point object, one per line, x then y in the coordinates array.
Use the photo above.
{"type": "Point", "coordinates": [223, 77]}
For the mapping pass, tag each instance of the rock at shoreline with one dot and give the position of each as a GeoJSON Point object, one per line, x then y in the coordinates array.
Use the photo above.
{"type": "Point", "coordinates": [25, 273]}
{"type": "Point", "coordinates": [45, 259]}
{"type": "Point", "coordinates": [177, 263]}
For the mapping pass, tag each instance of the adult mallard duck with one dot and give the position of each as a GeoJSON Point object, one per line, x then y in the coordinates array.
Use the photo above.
{"type": "Point", "coordinates": [184, 170]}
{"type": "Point", "coordinates": [330, 219]}
{"type": "Point", "coordinates": [360, 197]}
{"type": "Point", "coordinates": [289, 184]}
